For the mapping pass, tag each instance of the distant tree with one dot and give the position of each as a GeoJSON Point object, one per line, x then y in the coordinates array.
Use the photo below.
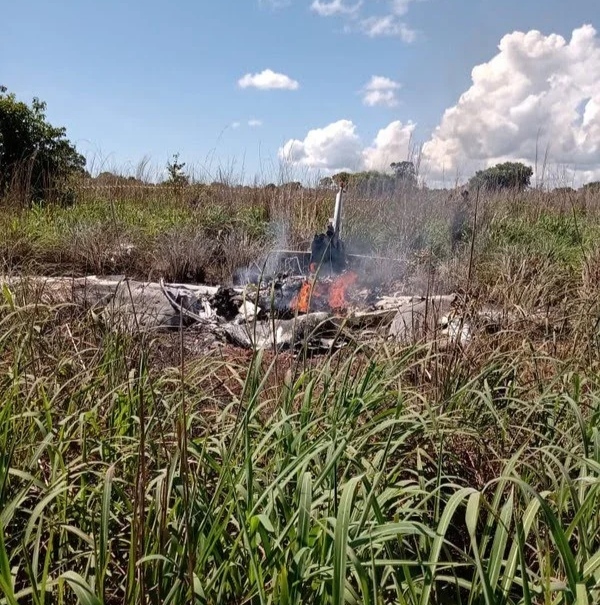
{"type": "Point", "coordinates": [326, 182]}
{"type": "Point", "coordinates": [341, 179]}
{"type": "Point", "coordinates": [293, 186]}
{"type": "Point", "coordinates": [405, 173]}
{"type": "Point", "coordinates": [36, 158]}
{"type": "Point", "coordinates": [369, 182]}
{"type": "Point", "coordinates": [509, 175]}
{"type": "Point", "coordinates": [175, 171]}
{"type": "Point", "coordinates": [564, 190]}
{"type": "Point", "coordinates": [593, 187]}
{"type": "Point", "coordinates": [107, 176]}
{"type": "Point", "coordinates": [110, 178]}
{"type": "Point", "coordinates": [373, 183]}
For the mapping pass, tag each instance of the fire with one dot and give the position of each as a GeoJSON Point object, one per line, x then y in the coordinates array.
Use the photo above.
{"type": "Point", "coordinates": [330, 293]}
{"type": "Point", "coordinates": [337, 292]}
{"type": "Point", "coordinates": [302, 301]}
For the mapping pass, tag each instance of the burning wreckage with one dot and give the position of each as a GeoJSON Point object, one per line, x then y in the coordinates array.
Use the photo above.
{"type": "Point", "coordinates": [322, 303]}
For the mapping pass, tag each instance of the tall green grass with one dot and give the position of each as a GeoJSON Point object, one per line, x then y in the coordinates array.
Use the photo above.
{"type": "Point", "coordinates": [395, 475]}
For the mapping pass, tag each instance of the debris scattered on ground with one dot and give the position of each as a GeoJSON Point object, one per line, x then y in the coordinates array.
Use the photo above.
{"type": "Point", "coordinates": [285, 313]}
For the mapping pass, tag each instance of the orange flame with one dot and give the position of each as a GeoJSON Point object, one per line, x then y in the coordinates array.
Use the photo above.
{"type": "Point", "coordinates": [302, 301]}
{"type": "Point", "coordinates": [337, 292]}
{"type": "Point", "coordinates": [333, 292]}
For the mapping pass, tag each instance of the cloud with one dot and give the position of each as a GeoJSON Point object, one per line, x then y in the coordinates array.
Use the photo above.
{"type": "Point", "coordinates": [381, 91]}
{"type": "Point", "coordinates": [392, 144]}
{"type": "Point", "coordinates": [254, 123]}
{"type": "Point", "coordinates": [360, 17]}
{"type": "Point", "coordinates": [334, 147]}
{"type": "Point", "coordinates": [235, 125]}
{"type": "Point", "coordinates": [268, 80]}
{"type": "Point", "coordinates": [400, 7]}
{"type": "Point", "coordinates": [540, 92]}
{"type": "Point", "coordinates": [389, 26]}
{"type": "Point", "coordinates": [338, 147]}
{"type": "Point", "coordinates": [334, 7]}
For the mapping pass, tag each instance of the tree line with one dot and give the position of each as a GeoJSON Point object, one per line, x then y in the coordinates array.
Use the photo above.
{"type": "Point", "coordinates": [38, 161]}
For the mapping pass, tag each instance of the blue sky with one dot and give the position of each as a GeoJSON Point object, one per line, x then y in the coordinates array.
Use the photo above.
{"type": "Point", "coordinates": [153, 78]}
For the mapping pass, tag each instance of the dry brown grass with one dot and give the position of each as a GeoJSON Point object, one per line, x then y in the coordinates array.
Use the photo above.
{"type": "Point", "coordinates": [207, 232]}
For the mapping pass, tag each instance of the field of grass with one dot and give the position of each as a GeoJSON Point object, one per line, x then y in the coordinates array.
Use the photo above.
{"type": "Point", "coordinates": [135, 469]}
{"type": "Point", "coordinates": [204, 233]}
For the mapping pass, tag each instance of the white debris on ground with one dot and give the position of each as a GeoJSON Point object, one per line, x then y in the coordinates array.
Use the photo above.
{"type": "Point", "coordinates": [250, 319]}
{"type": "Point", "coordinates": [248, 312]}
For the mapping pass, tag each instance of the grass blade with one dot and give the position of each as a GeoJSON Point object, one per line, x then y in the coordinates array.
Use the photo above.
{"type": "Point", "coordinates": [85, 594]}
{"type": "Point", "coordinates": [304, 509]}
{"type": "Point", "coordinates": [340, 541]}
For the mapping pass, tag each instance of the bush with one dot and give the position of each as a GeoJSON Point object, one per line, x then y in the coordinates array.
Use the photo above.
{"type": "Point", "coordinates": [37, 161]}
{"type": "Point", "coordinates": [593, 187]}
{"type": "Point", "coordinates": [509, 175]}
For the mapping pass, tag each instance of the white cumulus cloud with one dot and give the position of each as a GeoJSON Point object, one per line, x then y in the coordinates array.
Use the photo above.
{"type": "Point", "coordinates": [338, 147]}
{"type": "Point", "coordinates": [381, 91]}
{"type": "Point", "coordinates": [392, 144]}
{"type": "Point", "coordinates": [334, 7]}
{"type": "Point", "coordinates": [334, 147]}
{"type": "Point", "coordinates": [538, 97]}
{"type": "Point", "coordinates": [268, 80]}
{"type": "Point", "coordinates": [540, 93]}
{"type": "Point", "coordinates": [254, 123]}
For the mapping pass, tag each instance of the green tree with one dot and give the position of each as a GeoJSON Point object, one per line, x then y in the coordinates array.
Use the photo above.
{"type": "Point", "coordinates": [405, 173]}
{"type": "Point", "coordinates": [341, 179]}
{"type": "Point", "coordinates": [326, 182]}
{"type": "Point", "coordinates": [37, 161]}
{"type": "Point", "coordinates": [509, 175]}
{"type": "Point", "coordinates": [370, 182]}
{"type": "Point", "coordinates": [175, 171]}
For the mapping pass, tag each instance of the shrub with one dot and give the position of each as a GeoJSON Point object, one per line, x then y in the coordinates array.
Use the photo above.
{"type": "Point", "coordinates": [593, 187]}
{"type": "Point", "coordinates": [37, 161]}
{"type": "Point", "coordinates": [509, 175]}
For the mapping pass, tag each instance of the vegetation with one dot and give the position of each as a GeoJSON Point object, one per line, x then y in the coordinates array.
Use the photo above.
{"type": "Point", "coordinates": [137, 467]}
{"type": "Point", "coordinates": [175, 171]}
{"type": "Point", "coordinates": [594, 186]}
{"type": "Point", "coordinates": [373, 182]}
{"type": "Point", "coordinates": [405, 172]}
{"type": "Point", "coordinates": [506, 176]}
{"type": "Point", "coordinates": [37, 161]}
{"type": "Point", "coordinates": [124, 482]}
